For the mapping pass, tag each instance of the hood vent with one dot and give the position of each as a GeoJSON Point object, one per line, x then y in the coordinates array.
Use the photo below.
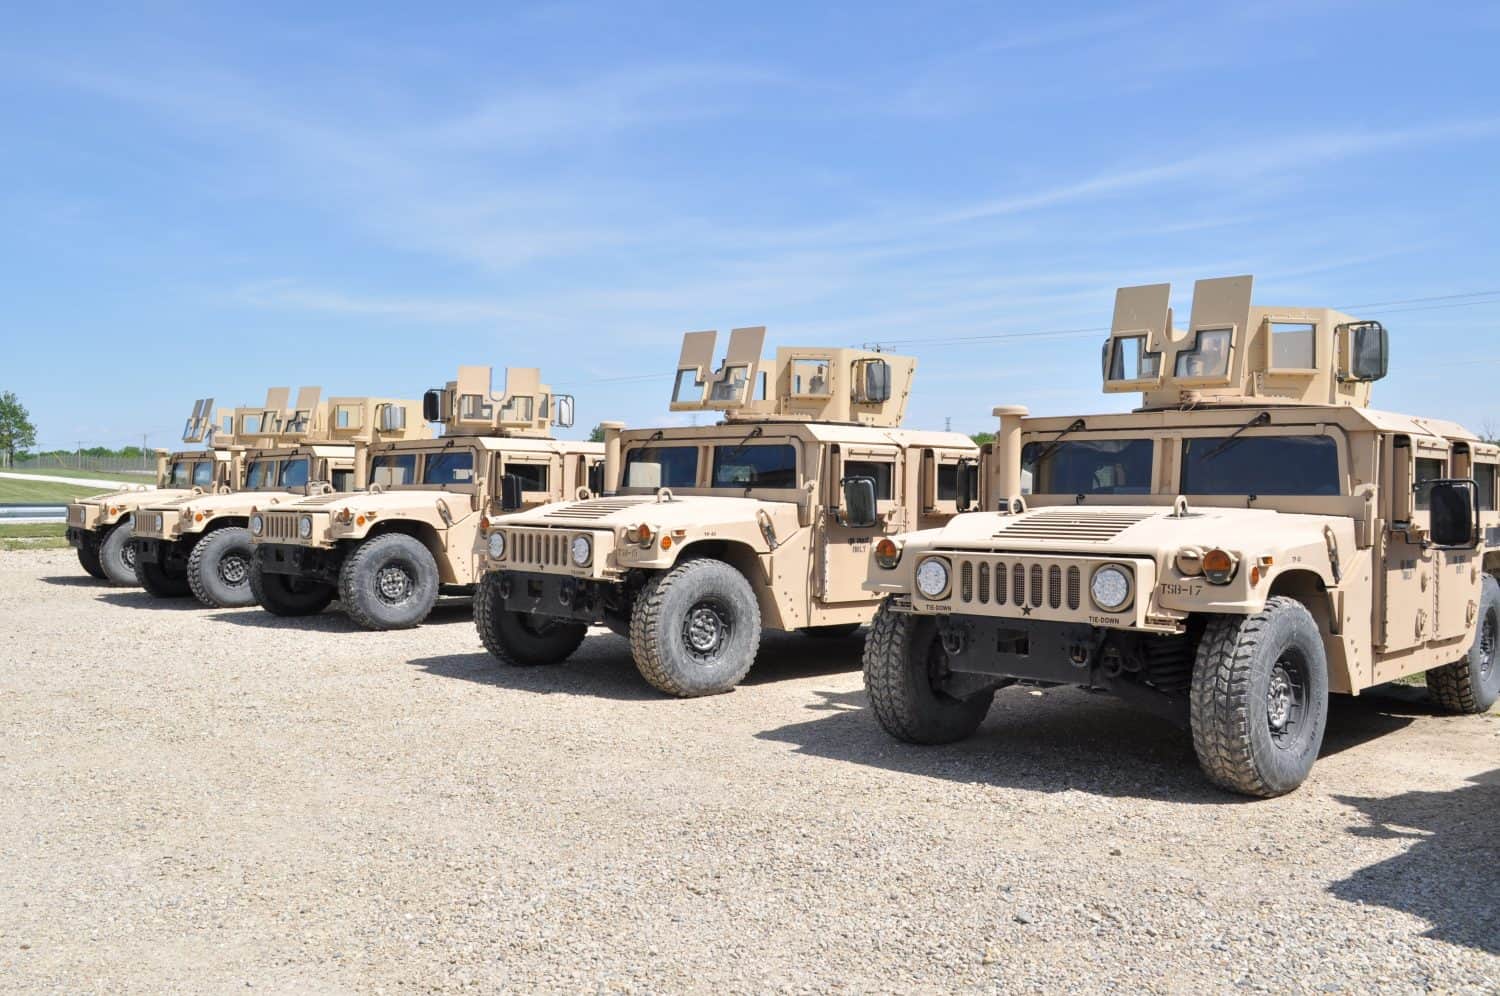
{"type": "Point", "coordinates": [597, 508]}
{"type": "Point", "coordinates": [1074, 525]}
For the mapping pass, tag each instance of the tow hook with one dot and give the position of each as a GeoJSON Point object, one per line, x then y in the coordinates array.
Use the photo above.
{"type": "Point", "coordinates": [955, 639]}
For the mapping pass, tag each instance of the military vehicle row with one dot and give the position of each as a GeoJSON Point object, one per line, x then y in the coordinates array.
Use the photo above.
{"type": "Point", "coordinates": [1212, 556]}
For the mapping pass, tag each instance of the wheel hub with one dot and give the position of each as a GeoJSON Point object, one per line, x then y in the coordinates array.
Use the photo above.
{"type": "Point", "coordinates": [1279, 699]}
{"type": "Point", "coordinates": [705, 630]}
{"type": "Point", "coordinates": [393, 583]}
{"type": "Point", "coordinates": [233, 570]}
{"type": "Point", "coordinates": [1487, 645]}
{"type": "Point", "coordinates": [127, 554]}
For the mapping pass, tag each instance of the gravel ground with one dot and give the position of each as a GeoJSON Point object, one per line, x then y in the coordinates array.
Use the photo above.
{"type": "Point", "coordinates": [201, 800]}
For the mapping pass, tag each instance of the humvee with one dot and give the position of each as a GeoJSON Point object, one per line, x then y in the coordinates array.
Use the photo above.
{"type": "Point", "coordinates": [200, 543]}
{"type": "Point", "coordinates": [410, 532]}
{"type": "Point", "coordinates": [1251, 539]}
{"type": "Point", "coordinates": [100, 527]}
{"type": "Point", "coordinates": [706, 534]}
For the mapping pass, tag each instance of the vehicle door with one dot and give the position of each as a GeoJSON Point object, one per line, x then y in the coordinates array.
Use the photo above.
{"type": "Point", "coordinates": [843, 550]}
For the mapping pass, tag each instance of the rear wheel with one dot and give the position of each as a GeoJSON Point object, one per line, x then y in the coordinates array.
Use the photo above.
{"type": "Point", "coordinates": [1471, 684]}
{"type": "Point", "coordinates": [88, 556]}
{"type": "Point", "coordinates": [389, 582]}
{"type": "Point", "coordinates": [219, 568]}
{"type": "Point", "coordinates": [160, 580]}
{"type": "Point", "coordinates": [117, 554]}
{"type": "Point", "coordinates": [904, 667]}
{"type": "Point", "coordinates": [1260, 699]}
{"type": "Point", "coordinates": [521, 638]}
{"type": "Point", "coordinates": [695, 630]}
{"type": "Point", "coordinates": [287, 594]}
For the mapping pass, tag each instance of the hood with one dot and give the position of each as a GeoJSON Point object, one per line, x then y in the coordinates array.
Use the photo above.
{"type": "Point", "coordinates": [135, 493]}
{"type": "Point", "coordinates": [1120, 528]}
{"type": "Point", "coordinates": [236, 501]}
{"type": "Point", "coordinates": [629, 510]}
{"type": "Point", "coordinates": [381, 503]}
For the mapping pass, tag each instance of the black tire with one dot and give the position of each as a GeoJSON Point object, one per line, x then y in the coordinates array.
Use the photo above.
{"type": "Point", "coordinates": [287, 594]}
{"type": "Point", "coordinates": [840, 631]}
{"type": "Point", "coordinates": [1260, 699]}
{"type": "Point", "coordinates": [712, 601]}
{"type": "Point", "coordinates": [160, 581]}
{"type": "Point", "coordinates": [522, 638]}
{"type": "Point", "coordinates": [389, 582]}
{"type": "Point", "coordinates": [117, 554]}
{"type": "Point", "coordinates": [219, 569]}
{"type": "Point", "coordinates": [88, 556]}
{"type": "Point", "coordinates": [1471, 684]}
{"type": "Point", "coordinates": [902, 655]}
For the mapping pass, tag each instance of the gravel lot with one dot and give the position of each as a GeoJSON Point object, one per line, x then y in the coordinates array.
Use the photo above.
{"type": "Point", "coordinates": [208, 800]}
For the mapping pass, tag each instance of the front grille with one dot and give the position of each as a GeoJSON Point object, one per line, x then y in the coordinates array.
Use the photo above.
{"type": "Point", "coordinates": [596, 508]}
{"type": "Point", "coordinates": [1074, 525]}
{"type": "Point", "coordinates": [280, 526]}
{"type": "Point", "coordinates": [538, 548]}
{"type": "Point", "coordinates": [1001, 581]}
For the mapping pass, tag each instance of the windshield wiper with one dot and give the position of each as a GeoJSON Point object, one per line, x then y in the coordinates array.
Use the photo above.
{"type": "Point", "coordinates": [1052, 446]}
{"type": "Point", "coordinates": [1264, 418]}
{"type": "Point", "coordinates": [758, 430]}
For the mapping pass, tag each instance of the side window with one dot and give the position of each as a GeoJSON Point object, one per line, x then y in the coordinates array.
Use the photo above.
{"type": "Point", "coordinates": [1209, 356]}
{"type": "Point", "coordinates": [1292, 345]}
{"type": "Point", "coordinates": [393, 470]}
{"type": "Point", "coordinates": [1484, 476]}
{"type": "Point", "coordinates": [1428, 469]}
{"type": "Point", "coordinates": [810, 377]}
{"type": "Point", "coordinates": [343, 480]}
{"type": "Point", "coordinates": [947, 481]}
{"type": "Point", "coordinates": [1129, 360]}
{"type": "Point", "coordinates": [883, 472]}
{"type": "Point", "coordinates": [203, 473]}
{"type": "Point", "coordinates": [533, 476]}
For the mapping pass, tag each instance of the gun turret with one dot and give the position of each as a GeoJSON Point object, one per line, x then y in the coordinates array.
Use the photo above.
{"type": "Point", "coordinates": [469, 405]}
{"type": "Point", "coordinates": [802, 383]}
{"type": "Point", "coordinates": [1233, 352]}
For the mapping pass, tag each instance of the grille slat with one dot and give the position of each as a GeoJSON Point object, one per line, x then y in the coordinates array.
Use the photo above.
{"type": "Point", "coordinates": [984, 584]}
{"type": "Point", "coordinates": [1075, 587]}
{"type": "Point", "coordinates": [1054, 586]}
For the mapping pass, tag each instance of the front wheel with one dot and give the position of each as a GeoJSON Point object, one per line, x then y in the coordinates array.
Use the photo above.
{"type": "Point", "coordinates": [390, 582]}
{"type": "Point", "coordinates": [287, 594]}
{"type": "Point", "coordinates": [219, 569]}
{"type": "Point", "coordinates": [1260, 699]}
{"type": "Point", "coordinates": [88, 556]}
{"type": "Point", "coordinates": [1471, 684]}
{"type": "Point", "coordinates": [117, 554]}
{"type": "Point", "coordinates": [160, 580]}
{"type": "Point", "coordinates": [695, 629]}
{"type": "Point", "coordinates": [522, 638]}
{"type": "Point", "coordinates": [904, 667]}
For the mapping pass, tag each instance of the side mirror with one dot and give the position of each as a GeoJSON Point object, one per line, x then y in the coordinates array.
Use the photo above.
{"type": "Point", "coordinates": [872, 385]}
{"type": "Point", "coordinates": [432, 406]}
{"type": "Point", "coordinates": [1369, 351]}
{"type": "Point", "coordinates": [1454, 506]}
{"type": "Point", "coordinates": [859, 502]}
{"type": "Point", "coordinates": [964, 500]}
{"type": "Point", "coordinates": [510, 493]}
{"type": "Point", "coordinates": [596, 478]}
{"type": "Point", "coordinates": [393, 417]}
{"type": "Point", "coordinates": [562, 410]}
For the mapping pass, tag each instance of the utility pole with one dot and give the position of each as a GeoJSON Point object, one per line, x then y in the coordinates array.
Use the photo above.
{"type": "Point", "coordinates": [948, 423]}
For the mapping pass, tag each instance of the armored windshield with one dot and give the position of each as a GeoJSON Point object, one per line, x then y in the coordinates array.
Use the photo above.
{"type": "Point", "coordinates": [394, 469]}
{"type": "Point", "coordinates": [1260, 465]}
{"type": "Point", "coordinates": [182, 474]}
{"type": "Point", "coordinates": [755, 466]}
{"type": "Point", "coordinates": [203, 474]}
{"type": "Point", "coordinates": [293, 474]}
{"type": "Point", "coordinates": [1089, 467]}
{"type": "Point", "coordinates": [661, 467]}
{"type": "Point", "coordinates": [449, 467]}
{"type": "Point", "coordinates": [260, 474]}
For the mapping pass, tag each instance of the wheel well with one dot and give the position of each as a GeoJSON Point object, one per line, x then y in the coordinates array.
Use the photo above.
{"type": "Point", "coordinates": [1308, 588]}
{"type": "Point", "coordinates": [226, 522]}
{"type": "Point", "coordinates": [744, 559]}
{"type": "Point", "coordinates": [1492, 563]}
{"type": "Point", "coordinates": [420, 531]}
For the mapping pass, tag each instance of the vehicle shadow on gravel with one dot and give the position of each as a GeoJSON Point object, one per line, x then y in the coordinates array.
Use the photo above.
{"type": "Point", "coordinates": [1055, 740]}
{"type": "Point", "coordinates": [69, 581]}
{"type": "Point", "coordinates": [1450, 873]}
{"type": "Point", "coordinates": [138, 599]}
{"type": "Point", "coordinates": [333, 619]}
{"type": "Point", "coordinates": [602, 667]}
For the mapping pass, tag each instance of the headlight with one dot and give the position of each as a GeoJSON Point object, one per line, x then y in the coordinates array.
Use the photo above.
{"type": "Point", "coordinates": [583, 550]}
{"type": "Point", "coordinates": [1110, 588]}
{"type": "Point", "coordinates": [257, 525]}
{"type": "Point", "coordinates": [932, 577]}
{"type": "Point", "coordinates": [497, 545]}
{"type": "Point", "coordinates": [304, 527]}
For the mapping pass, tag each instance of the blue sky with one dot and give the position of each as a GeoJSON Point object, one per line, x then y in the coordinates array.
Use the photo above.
{"type": "Point", "coordinates": [204, 200]}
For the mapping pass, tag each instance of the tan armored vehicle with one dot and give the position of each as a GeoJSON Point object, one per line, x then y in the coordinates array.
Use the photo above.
{"type": "Point", "coordinates": [707, 534]}
{"type": "Point", "coordinates": [100, 527]}
{"type": "Point", "coordinates": [1251, 539]}
{"type": "Point", "coordinates": [200, 542]}
{"type": "Point", "coordinates": [389, 551]}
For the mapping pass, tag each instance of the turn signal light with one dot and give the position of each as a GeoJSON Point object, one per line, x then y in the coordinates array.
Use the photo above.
{"type": "Point", "coordinates": [1218, 566]}
{"type": "Point", "coordinates": [666, 542]}
{"type": "Point", "coordinates": [887, 553]}
{"type": "Point", "coordinates": [643, 534]}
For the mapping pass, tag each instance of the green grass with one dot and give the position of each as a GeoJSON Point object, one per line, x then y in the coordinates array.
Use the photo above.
{"type": "Point", "coordinates": [32, 536]}
{"type": "Point", "coordinates": [12, 490]}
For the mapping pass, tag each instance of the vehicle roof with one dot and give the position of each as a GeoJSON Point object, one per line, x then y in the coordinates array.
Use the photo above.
{"type": "Point", "coordinates": [1234, 415]}
{"type": "Point", "coordinates": [823, 432]}
{"type": "Point", "coordinates": [510, 444]}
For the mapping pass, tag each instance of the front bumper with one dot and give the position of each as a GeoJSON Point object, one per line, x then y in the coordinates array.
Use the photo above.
{"type": "Point", "coordinates": [301, 561]}
{"type": "Point", "coordinates": [558, 596]}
